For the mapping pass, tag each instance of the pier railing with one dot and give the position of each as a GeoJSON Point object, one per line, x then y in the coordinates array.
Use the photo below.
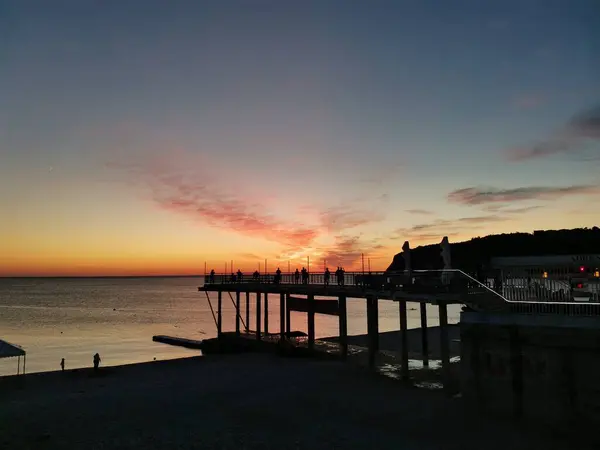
{"type": "Point", "coordinates": [518, 291]}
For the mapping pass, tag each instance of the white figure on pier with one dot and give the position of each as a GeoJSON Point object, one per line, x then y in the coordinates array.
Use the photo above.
{"type": "Point", "coordinates": [446, 275]}
{"type": "Point", "coordinates": [407, 261]}
{"type": "Point", "coordinates": [406, 257]}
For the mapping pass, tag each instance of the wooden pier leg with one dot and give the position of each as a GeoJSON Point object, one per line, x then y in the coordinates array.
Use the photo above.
{"type": "Point", "coordinates": [372, 329]}
{"type": "Point", "coordinates": [343, 327]}
{"type": "Point", "coordinates": [424, 335]}
{"type": "Point", "coordinates": [404, 344]}
{"type": "Point", "coordinates": [258, 318]}
{"type": "Point", "coordinates": [266, 313]}
{"type": "Point", "coordinates": [445, 346]}
{"type": "Point", "coordinates": [282, 315]}
{"type": "Point", "coordinates": [219, 314]}
{"type": "Point", "coordinates": [247, 312]}
{"type": "Point", "coordinates": [376, 322]}
{"type": "Point", "coordinates": [238, 313]}
{"type": "Point", "coordinates": [311, 321]}
{"type": "Point", "coordinates": [288, 317]}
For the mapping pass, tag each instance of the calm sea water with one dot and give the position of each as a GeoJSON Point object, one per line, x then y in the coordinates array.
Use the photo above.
{"type": "Point", "coordinates": [73, 318]}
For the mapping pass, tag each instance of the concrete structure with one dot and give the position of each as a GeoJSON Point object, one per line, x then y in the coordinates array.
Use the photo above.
{"type": "Point", "coordinates": [540, 368]}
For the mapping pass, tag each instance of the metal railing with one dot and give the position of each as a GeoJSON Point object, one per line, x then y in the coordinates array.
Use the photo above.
{"type": "Point", "coordinates": [514, 290]}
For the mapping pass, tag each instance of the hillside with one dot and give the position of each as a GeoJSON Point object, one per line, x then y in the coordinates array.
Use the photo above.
{"type": "Point", "coordinates": [478, 251]}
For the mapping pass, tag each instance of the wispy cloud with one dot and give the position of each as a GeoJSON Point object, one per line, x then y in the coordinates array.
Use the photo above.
{"type": "Point", "coordinates": [348, 249]}
{"type": "Point", "coordinates": [380, 174]}
{"type": "Point", "coordinates": [528, 101]}
{"type": "Point", "coordinates": [437, 229]}
{"type": "Point", "coordinates": [502, 208]}
{"type": "Point", "coordinates": [179, 191]}
{"type": "Point", "coordinates": [482, 195]}
{"type": "Point", "coordinates": [420, 212]}
{"type": "Point", "coordinates": [572, 137]}
{"type": "Point", "coordinates": [345, 217]}
{"type": "Point", "coordinates": [194, 193]}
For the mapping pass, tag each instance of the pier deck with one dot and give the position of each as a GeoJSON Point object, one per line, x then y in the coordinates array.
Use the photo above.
{"type": "Point", "coordinates": [322, 290]}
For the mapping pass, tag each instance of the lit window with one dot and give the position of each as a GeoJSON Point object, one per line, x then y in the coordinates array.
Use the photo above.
{"type": "Point", "coordinates": [597, 274]}
{"type": "Point", "coordinates": [545, 275]}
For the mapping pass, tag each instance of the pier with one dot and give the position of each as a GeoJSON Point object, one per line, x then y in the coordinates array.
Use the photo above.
{"type": "Point", "coordinates": [317, 295]}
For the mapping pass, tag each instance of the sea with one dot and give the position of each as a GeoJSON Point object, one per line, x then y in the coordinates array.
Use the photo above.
{"type": "Point", "coordinates": [73, 318]}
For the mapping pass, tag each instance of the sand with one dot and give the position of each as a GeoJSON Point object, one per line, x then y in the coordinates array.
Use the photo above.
{"type": "Point", "coordinates": [392, 341]}
{"type": "Point", "coordinates": [241, 402]}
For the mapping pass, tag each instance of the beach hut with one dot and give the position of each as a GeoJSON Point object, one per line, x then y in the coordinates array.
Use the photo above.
{"type": "Point", "coordinates": [8, 350]}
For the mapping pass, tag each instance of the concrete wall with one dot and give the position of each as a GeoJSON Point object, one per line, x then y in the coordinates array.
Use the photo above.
{"type": "Point", "coordinates": [544, 368]}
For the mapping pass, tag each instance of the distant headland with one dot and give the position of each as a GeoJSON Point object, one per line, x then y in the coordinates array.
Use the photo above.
{"type": "Point", "coordinates": [477, 251]}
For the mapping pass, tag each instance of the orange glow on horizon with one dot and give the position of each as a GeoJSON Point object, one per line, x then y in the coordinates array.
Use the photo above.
{"type": "Point", "coordinates": [168, 266]}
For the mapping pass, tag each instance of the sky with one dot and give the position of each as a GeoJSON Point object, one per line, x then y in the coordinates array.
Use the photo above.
{"type": "Point", "coordinates": [152, 137]}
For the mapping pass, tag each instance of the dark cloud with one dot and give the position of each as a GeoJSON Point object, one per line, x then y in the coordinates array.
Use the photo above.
{"type": "Point", "coordinates": [482, 196]}
{"type": "Point", "coordinates": [571, 138]}
{"type": "Point", "coordinates": [421, 212]}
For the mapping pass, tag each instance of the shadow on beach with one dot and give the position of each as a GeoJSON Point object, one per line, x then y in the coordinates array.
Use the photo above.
{"type": "Point", "coordinates": [392, 341]}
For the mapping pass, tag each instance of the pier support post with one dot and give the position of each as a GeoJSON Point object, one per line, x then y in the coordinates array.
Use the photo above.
{"type": "Point", "coordinates": [258, 318]}
{"type": "Point", "coordinates": [424, 335]}
{"type": "Point", "coordinates": [372, 327]}
{"type": "Point", "coordinates": [266, 313]}
{"type": "Point", "coordinates": [247, 312]}
{"type": "Point", "coordinates": [445, 346]}
{"type": "Point", "coordinates": [376, 322]}
{"type": "Point", "coordinates": [311, 321]}
{"type": "Point", "coordinates": [238, 313]}
{"type": "Point", "coordinates": [343, 316]}
{"type": "Point", "coordinates": [282, 315]}
{"type": "Point", "coordinates": [404, 344]}
{"type": "Point", "coordinates": [288, 317]}
{"type": "Point", "coordinates": [219, 313]}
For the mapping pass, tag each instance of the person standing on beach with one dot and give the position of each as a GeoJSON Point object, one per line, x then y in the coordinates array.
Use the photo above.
{"type": "Point", "coordinates": [62, 364]}
{"type": "Point", "coordinates": [96, 361]}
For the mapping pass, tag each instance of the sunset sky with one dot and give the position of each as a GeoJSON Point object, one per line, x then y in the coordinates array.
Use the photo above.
{"type": "Point", "coordinates": [147, 137]}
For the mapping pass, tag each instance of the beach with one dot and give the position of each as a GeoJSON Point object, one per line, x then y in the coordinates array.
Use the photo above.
{"type": "Point", "coordinates": [244, 401]}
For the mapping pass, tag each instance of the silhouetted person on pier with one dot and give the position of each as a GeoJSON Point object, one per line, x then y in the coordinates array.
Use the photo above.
{"type": "Point", "coordinates": [62, 364]}
{"type": "Point", "coordinates": [96, 362]}
{"type": "Point", "coordinates": [233, 277]}
{"type": "Point", "coordinates": [342, 276]}
{"type": "Point", "coordinates": [278, 276]}
{"type": "Point", "coordinates": [304, 276]}
{"type": "Point", "coordinates": [256, 275]}
{"type": "Point", "coordinates": [212, 276]}
{"type": "Point", "coordinates": [326, 276]}
{"type": "Point", "coordinates": [338, 275]}
{"type": "Point", "coordinates": [239, 276]}
{"type": "Point", "coordinates": [296, 276]}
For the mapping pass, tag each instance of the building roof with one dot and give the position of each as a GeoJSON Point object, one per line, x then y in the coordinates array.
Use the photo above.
{"type": "Point", "coordinates": [546, 260]}
{"type": "Point", "coordinates": [8, 350]}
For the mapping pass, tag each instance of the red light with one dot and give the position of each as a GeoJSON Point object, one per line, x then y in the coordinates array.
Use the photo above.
{"type": "Point", "coordinates": [582, 269]}
{"type": "Point", "coordinates": [580, 286]}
